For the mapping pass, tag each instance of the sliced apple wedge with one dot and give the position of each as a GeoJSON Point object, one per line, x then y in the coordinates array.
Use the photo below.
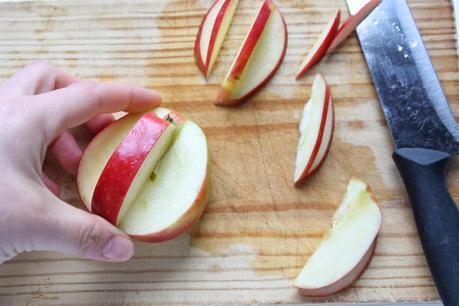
{"type": "Point", "coordinates": [258, 58]}
{"type": "Point", "coordinates": [320, 46]}
{"type": "Point", "coordinates": [347, 247]}
{"type": "Point", "coordinates": [171, 195]}
{"type": "Point", "coordinates": [351, 23]}
{"type": "Point", "coordinates": [212, 32]}
{"type": "Point", "coordinates": [130, 165]}
{"type": "Point", "coordinates": [316, 131]}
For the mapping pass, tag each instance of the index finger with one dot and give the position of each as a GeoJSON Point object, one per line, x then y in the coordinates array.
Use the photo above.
{"type": "Point", "coordinates": [71, 106]}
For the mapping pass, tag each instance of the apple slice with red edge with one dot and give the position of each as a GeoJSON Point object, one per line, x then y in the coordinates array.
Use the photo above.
{"type": "Point", "coordinates": [320, 46]}
{"type": "Point", "coordinates": [351, 23]}
{"type": "Point", "coordinates": [173, 195]}
{"type": "Point", "coordinates": [316, 130]}
{"type": "Point", "coordinates": [212, 32]}
{"type": "Point", "coordinates": [259, 57]}
{"type": "Point", "coordinates": [130, 165]}
{"type": "Point", "coordinates": [346, 248]}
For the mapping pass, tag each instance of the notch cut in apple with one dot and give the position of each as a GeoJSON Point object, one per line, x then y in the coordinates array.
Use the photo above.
{"type": "Point", "coordinates": [212, 32]}
{"type": "Point", "coordinates": [351, 23]}
{"type": "Point", "coordinates": [320, 46]}
{"type": "Point", "coordinates": [259, 57]}
{"type": "Point", "coordinates": [346, 248]}
{"type": "Point", "coordinates": [174, 194]}
{"type": "Point", "coordinates": [316, 131]}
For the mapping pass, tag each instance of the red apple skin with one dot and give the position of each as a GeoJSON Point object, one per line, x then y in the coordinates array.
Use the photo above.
{"type": "Point", "coordinates": [323, 47]}
{"type": "Point", "coordinates": [223, 94]}
{"type": "Point", "coordinates": [345, 281]}
{"type": "Point", "coordinates": [189, 218]}
{"type": "Point", "coordinates": [215, 29]}
{"type": "Point", "coordinates": [197, 50]}
{"type": "Point", "coordinates": [306, 173]}
{"type": "Point", "coordinates": [123, 165]}
{"type": "Point", "coordinates": [300, 181]}
{"type": "Point", "coordinates": [360, 15]}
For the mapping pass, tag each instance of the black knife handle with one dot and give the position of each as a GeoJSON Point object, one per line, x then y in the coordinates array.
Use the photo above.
{"type": "Point", "coordinates": [436, 215]}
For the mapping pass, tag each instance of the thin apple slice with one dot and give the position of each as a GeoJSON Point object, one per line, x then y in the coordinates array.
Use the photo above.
{"type": "Point", "coordinates": [258, 58]}
{"type": "Point", "coordinates": [346, 248]}
{"type": "Point", "coordinates": [320, 46]}
{"type": "Point", "coordinates": [316, 131]}
{"type": "Point", "coordinates": [130, 165]}
{"type": "Point", "coordinates": [351, 23]}
{"type": "Point", "coordinates": [187, 155]}
{"type": "Point", "coordinates": [212, 32]}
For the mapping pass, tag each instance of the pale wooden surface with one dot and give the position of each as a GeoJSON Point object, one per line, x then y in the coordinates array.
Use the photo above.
{"type": "Point", "coordinates": [258, 230]}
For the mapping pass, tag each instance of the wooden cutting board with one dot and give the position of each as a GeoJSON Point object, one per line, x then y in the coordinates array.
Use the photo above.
{"type": "Point", "coordinates": [257, 231]}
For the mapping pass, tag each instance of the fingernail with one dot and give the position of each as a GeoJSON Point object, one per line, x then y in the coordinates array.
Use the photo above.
{"type": "Point", "coordinates": [118, 249]}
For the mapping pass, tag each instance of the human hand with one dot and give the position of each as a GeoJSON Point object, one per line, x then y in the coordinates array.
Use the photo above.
{"type": "Point", "coordinates": [37, 106]}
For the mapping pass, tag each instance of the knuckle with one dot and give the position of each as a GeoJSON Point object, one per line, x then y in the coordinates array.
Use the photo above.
{"type": "Point", "coordinates": [90, 236]}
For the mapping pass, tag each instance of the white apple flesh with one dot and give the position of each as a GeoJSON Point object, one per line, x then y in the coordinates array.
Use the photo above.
{"type": "Point", "coordinates": [212, 32]}
{"type": "Point", "coordinates": [259, 57]}
{"type": "Point", "coordinates": [347, 247]}
{"type": "Point", "coordinates": [174, 194]}
{"type": "Point", "coordinates": [351, 23]}
{"type": "Point", "coordinates": [316, 131]}
{"type": "Point", "coordinates": [320, 46]}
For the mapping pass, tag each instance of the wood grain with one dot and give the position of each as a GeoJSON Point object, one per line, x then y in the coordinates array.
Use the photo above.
{"type": "Point", "coordinates": [258, 230]}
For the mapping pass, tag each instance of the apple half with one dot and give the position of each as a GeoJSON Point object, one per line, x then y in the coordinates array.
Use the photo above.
{"type": "Point", "coordinates": [259, 57]}
{"type": "Point", "coordinates": [316, 131]}
{"type": "Point", "coordinates": [171, 191]}
{"type": "Point", "coordinates": [320, 46]}
{"type": "Point", "coordinates": [351, 23]}
{"type": "Point", "coordinates": [212, 32]}
{"type": "Point", "coordinates": [346, 248]}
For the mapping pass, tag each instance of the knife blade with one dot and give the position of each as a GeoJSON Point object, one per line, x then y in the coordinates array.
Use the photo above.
{"type": "Point", "coordinates": [423, 128]}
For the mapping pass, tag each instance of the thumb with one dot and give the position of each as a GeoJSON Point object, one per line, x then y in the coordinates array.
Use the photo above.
{"type": "Point", "coordinates": [75, 232]}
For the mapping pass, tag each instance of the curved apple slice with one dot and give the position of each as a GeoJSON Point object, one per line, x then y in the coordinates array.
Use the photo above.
{"type": "Point", "coordinates": [212, 32]}
{"type": "Point", "coordinates": [347, 247]}
{"type": "Point", "coordinates": [320, 46]}
{"type": "Point", "coordinates": [316, 131]}
{"type": "Point", "coordinates": [186, 155]}
{"type": "Point", "coordinates": [351, 23]}
{"type": "Point", "coordinates": [258, 58]}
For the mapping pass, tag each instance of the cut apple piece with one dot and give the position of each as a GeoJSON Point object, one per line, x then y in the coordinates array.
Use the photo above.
{"type": "Point", "coordinates": [177, 188]}
{"type": "Point", "coordinates": [129, 166]}
{"type": "Point", "coordinates": [351, 23]}
{"type": "Point", "coordinates": [171, 196]}
{"type": "Point", "coordinates": [258, 58]}
{"type": "Point", "coordinates": [316, 131]}
{"type": "Point", "coordinates": [320, 46]}
{"type": "Point", "coordinates": [212, 32]}
{"type": "Point", "coordinates": [347, 247]}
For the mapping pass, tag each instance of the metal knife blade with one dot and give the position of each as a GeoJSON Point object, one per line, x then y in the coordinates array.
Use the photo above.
{"type": "Point", "coordinates": [424, 130]}
{"type": "Point", "coordinates": [413, 101]}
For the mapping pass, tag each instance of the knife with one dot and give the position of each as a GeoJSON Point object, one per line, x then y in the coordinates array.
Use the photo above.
{"type": "Point", "coordinates": [423, 128]}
